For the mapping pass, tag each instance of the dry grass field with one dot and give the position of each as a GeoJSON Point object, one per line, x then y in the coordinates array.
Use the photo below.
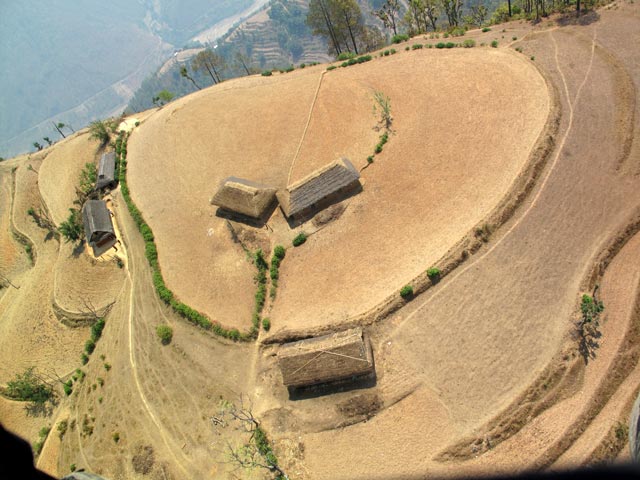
{"type": "Point", "coordinates": [479, 372]}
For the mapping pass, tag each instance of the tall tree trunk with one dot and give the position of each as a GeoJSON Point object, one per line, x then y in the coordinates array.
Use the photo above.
{"type": "Point", "coordinates": [509, 3]}
{"type": "Point", "coordinates": [332, 33]}
{"type": "Point", "coordinates": [59, 131]}
{"type": "Point", "coordinates": [210, 73]}
{"type": "Point", "coordinates": [353, 39]}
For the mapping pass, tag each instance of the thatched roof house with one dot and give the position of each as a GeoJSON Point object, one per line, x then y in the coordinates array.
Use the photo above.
{"type": "Point", "coordinates": [98, 227]}
{"type": "Point", "coordinates": [107, 171]}
{"type": "Point", "coordinates": [322, 188]}
{"type": "Point", "coordinates": [244, 197]}
{"type": "Point", "coordinates": [328, 358]}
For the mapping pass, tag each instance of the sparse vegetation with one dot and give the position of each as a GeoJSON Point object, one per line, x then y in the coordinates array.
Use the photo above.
{"type": "Point", "coordinates": [266, 324]}
{"type": "Point", "coordinates": [589, 325]}
{"type": "Point", "coordinates": [43, 434]}
{"type": "Point", "coordinates": [100, 130]}
{"type": "Point", "coordinates": [62, 428]}
{"type": "Point", "coordinates": [486, 29]}
{"type": "Point", "coordinates": [494, 44]}
{"type": "Point", "coordinates": [116, 437]}
{"type": "Point", "coordinates": [274, 269]}
{"type": "Point", "coordinates": [382, 106]}
{"type": "Point", "coordinates": [469, 43]}
{"type": "Point", "coordinates": [406, 292]}
{"type": "Point", "coordinates": [399, 38]}
{"type": "Point", "coordinates": [68, 387]}
{"type": "Point", "coordinates": [299, 239]}
{"type": "Point", "coordinates": [267, 73]}
{"type": "Point", "coordinates": [165, 334]}
{"type": "Point", "coordinates": [417, 46]}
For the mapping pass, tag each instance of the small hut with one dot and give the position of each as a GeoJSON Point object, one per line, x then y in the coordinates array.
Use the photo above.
{"type": "Point", "coordinates": [244, 197]}
{"type": "Point", "coordinates": [337, 356]}
{"type": "Point", "coordinates": [98, 227]}
{"type": "Point", "coordinates": [317, 191]}
{"type": "Point", "coordinates": [107, 171]}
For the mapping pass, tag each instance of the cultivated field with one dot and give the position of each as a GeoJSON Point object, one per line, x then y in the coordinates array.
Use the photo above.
{"type": "Point", "coordinates": [478, 372]}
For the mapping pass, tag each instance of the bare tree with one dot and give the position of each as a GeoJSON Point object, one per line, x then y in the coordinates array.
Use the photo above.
{"type": "Point", "coordinates": [388, 14]}
{"type": "Point", "coordinates": [256, 451]}
{"type": "Point", "coordinates": [185, 74]}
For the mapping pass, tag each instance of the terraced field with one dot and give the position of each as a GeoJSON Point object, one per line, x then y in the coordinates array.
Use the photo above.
{"type": "Point", "coordinates": [516, 173]}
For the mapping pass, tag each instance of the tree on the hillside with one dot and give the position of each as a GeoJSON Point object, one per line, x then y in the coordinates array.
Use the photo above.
{"type": "Point", "coordinates": [339, 21]}
{"type": "Point", "coordinates": [163, 97]}
{"type": "Point", "coordinates": [59, 126]}
{"type": "Point", "coordinates": [243, 61]}
{"type": "Point", "coordinates": [48, 140]}
{"type": "Point", "coordinates": [185, 74]}
{"type": "Point", "coordinates": [209, 61]}
{"type": "Point", "coordinates": [72, 229]}
{"type": "Point", "coordinates": [388, 13]}
{"type": "Point", "coordinates": [479, 14]}
{"type": "Point", "coordinates": [421, 15]}
{"type": "Point", "coordinates": [37, 146]}
{"type": "Point", "coordinates": [29, 386]}
{"type": "Point", "coordinates": [453, 11]}
{"type": "Point", "coordinates": [99, 130]}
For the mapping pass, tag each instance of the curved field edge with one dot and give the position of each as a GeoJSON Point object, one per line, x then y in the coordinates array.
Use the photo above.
{"type": "Point", "coordinates": [562, 377]}
{"type": "Point", "coordinates": [21, 237]}
{"type": "Point", "coordinates": [151, 252]}
{"type": "Point", "coordinates": [472, 242]}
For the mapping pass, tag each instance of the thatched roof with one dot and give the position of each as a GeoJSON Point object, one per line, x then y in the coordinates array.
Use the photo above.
{"type": "Point", "coordinates": [320, 185]}
{"type": "Point", "coordinates": [244, 197]}
{"type": "Point", "coordinates": [337, 356]}
{"type": "Point", "coordinates": [96, 218]}
{"type": "Point", "coordinates": [106, 170]}
{"type": "Point", "coordinates": [98, 227]}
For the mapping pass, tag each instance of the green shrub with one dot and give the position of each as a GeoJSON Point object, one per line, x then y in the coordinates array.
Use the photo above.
{"type": "Point", "coordinates": [165, 334]}
{"type": "Point", "coordinates": [107, 366]}
{"type": "Point", "coordinates": [290, 69]}
{"type": "Point", "coordinates": [89, 346]}
{"type": "Point", "coordinates": [266, 324]}
{"type": "Point", "coordinates": [406, 291]}
{"type": "Point", "coordinates": [68, 387]}
{"type": "Point", "coordinates": [302, 65]}
{"type": "Point", "coordinates": [433, 273]}
{"type": "Point", "coordinates": [72, 229]}
{"type": "Point", "coordinates": [279, 252]}
{"type": "Point", "coordinates": [331, 67]}
{"type": "Point", "coordinates": [514, 38]}
{"type": "Point", "coordinates": [267, 73]}
{"type": "Point", "coordinates": [299, 239]}
{"type": "Point", "coordinates": [486, 29]}
{"type": "Point", "coordinates": [446, 35]}
{"type": "Point", "coordinates": [370, 159]}
{"type": "Point", "coordinates": [457, 32]}
{"type": "Point", "coordinates": [533, 58]}
{"type": "Point", "coordinates": [393, 51]}
{"type": "Point", "coordinates": [494, 44]}
{"type": "Point", "coordinates": [407, 48]}
{"type": "Point", "coordinates": [439, 45]}
{"type": "Point", "coordinates": [72, 467]}
{"type": "Point", "coordinates": [469, 43]}
{"type": "Point", "coordinates": [416, 46]}
{"type": "Point", "coordinates": [399, 38]}
{"type": "Point", "coordinates": [116, 437]}
{"type": "Point", "coordinates": [62, 428]}
{"type": "Point", "coordinates": [84, 358]}
{"type": "Point", "coordinates": [96, 329]}
{"type": "Point", "coordinates": [450, 45]}
{"type": "Point", "coordinates": [346, 56]}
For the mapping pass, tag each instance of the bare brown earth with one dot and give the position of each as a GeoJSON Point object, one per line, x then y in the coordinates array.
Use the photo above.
{"type": "Point", "coordinates": [459, 385]}
{"type": "Point", "coordinates": [60, 171]}
{"type": "Point", "coordinates": [383, 243]}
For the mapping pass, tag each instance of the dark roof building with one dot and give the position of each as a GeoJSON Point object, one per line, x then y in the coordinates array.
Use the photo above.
{"type": "Point", "coordinates": [322, 188]}
{"type": "Point", "coordinates": [107, 171]}
{"type": "Point", "coordinates": [245, 197]}
{"type": "Point", "coordinates": [98, 227]}
{"type": "Point", "coordinates": [337, 356]}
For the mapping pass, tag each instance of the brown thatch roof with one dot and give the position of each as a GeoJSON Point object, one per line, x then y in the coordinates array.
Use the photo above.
{"type": "Point", "coordinates": [98, 227]}
{"type": "Point", "coordinates": [337, 356]}
{"type": "Point", "coordinates": [316, 188]}
{"type": "Point", "coordinates": [244, 197]}
{"type": "Point", "coordinates": [106, 170]}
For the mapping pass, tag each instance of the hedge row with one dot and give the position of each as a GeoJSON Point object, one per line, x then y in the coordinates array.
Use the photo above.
{"type": "Point", "coordinates": [151, 253]}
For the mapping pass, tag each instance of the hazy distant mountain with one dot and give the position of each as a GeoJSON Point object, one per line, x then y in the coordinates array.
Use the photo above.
{"type": "Point", "coordinates": [74, 61]}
